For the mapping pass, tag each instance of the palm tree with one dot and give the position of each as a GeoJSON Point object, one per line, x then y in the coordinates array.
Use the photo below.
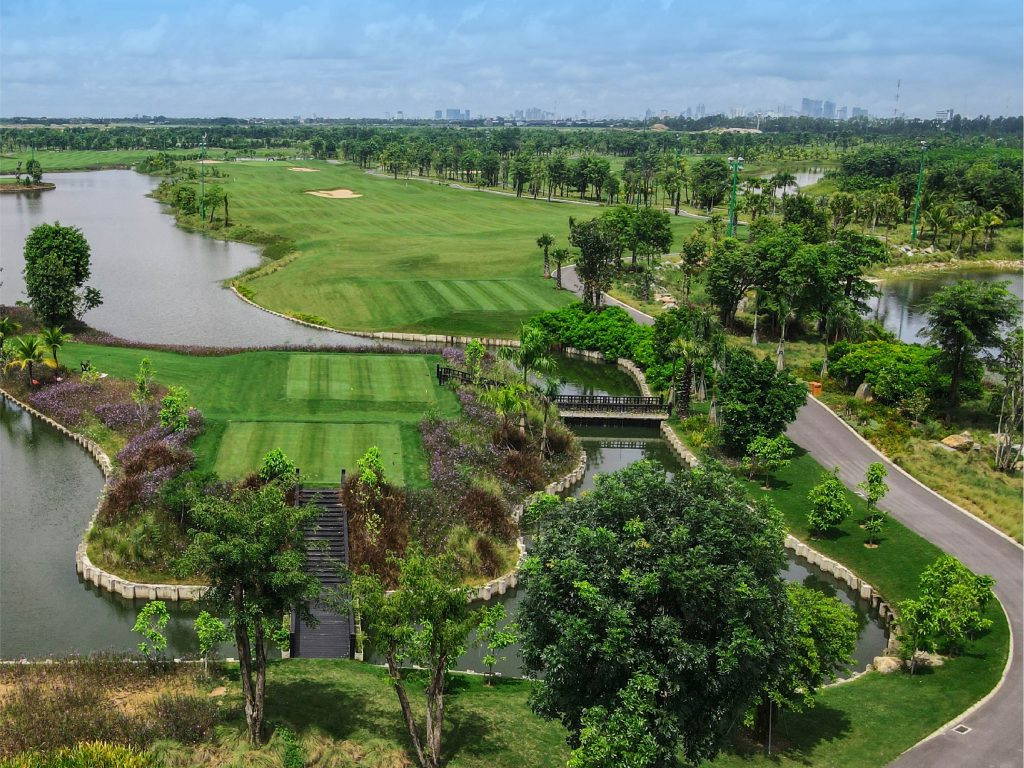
{"type": "Point", "coordinates": [784, 180]}
{"type": "Point", "coordinates": [560, 255]}
{"type": "Point", "coordinates": [686, 350]}
{"type": "Point", "coordinates": [27, 351]}
{"type": "Point", "coordinates": [547, 393]}
{"type": "Point", "coordinates": [54, 339]}
{"type": "Point", "coordinates": [8, 327]}
{"type": "Point", "coordinates": [545, 241]}
{"type": "Point", "coordinates": [937, 219]}
{"type": "Point", "coordinates": [506, 401]}
{"type": "Point", "coordinates": [991, 221]}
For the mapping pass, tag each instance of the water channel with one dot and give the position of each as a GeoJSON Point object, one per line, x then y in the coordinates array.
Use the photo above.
{"type": "Point", "coordinates": [169, 291]}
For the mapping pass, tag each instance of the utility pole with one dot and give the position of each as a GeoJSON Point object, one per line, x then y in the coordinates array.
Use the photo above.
{"type": "Point", "coordinates": [737, 166]}
{"type": "Point", "coordinates": [202, 178]}
{"type": "Point", "coordinates": [917, 195]}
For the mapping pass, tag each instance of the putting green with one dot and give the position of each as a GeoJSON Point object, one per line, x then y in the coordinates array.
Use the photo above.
{"type": "Point", "coordinates": [407, 255]}
{"type": "Point", "coordinates": [322, 409]}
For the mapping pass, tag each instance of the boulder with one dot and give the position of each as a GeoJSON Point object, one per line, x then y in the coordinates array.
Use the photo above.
{"type": "Point", "coordinates": [864, 392]}
{"type": "Point", "coordinates": [922, 659]}
{"type": "Point", "coordinates": [961, 442]}
{"type": "Point", "coordinates": [886, 665]}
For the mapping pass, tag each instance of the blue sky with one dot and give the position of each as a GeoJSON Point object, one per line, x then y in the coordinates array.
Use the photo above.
{"type": "Point", "coordinates": [270, 59]}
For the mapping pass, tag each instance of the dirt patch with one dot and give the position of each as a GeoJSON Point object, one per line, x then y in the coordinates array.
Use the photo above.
{"type": "Point", "coordinates": [335, 194]}
{"type": "Point", "coordinates": [210, 162]}
{"type": "Point", "coordinates": [300, 169]}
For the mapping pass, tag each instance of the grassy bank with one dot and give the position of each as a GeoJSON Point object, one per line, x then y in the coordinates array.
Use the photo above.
{"type": "Point", "coordinates": [324, 410]}
{"type": "Point", "coordinates": [406, 256]}
{"type": "Point", "coordinates": [871, 720]}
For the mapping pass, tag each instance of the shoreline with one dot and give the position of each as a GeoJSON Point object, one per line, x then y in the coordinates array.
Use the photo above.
{"type": "Point", "coordinates": [14, 189]}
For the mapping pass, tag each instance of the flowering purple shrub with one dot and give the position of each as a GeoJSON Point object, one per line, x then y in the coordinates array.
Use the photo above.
{"type": "Point", "coordinates": [454, 356]}
{"type": "Point", "coordinates": [120, 415]}
{"type": "Point", "coordinates": [62, 400]}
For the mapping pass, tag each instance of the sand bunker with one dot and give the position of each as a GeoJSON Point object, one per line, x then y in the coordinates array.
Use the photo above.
{"type": "Point", "coordinates": [335, 194]}
{"type": "Point", "coordinates": [304, 170]}
{"type": "Point", "coordinates": [210, 162]}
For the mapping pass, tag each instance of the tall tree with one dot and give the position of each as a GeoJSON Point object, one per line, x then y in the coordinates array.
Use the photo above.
{"type": "Point", "coordinates": [544, 242]}
{"type": "Point", "coordinates": [619, 615]}
{"type": "Point", "coordinates": [251, 548]}
{"type": "Point", "coordinates": [57, 264]}
{"type": "Point", "coordinates": [964, 319]}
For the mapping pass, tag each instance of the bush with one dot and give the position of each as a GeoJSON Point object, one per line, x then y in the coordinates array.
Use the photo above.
{"type": "Point", "coordinates": [89, 754]}
{"type": "Point", "coordinates": [185, 718]}
{"type": "Point", "coordinates": [610, 331]}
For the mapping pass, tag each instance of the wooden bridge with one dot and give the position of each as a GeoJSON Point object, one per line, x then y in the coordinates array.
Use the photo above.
{"type": "Point", "coordinates": [332, 637]}
{"type": "Point", "coordinates": [582, 407]}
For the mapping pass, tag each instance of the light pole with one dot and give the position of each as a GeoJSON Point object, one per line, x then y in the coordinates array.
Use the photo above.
{"type": "Point", "coordinates": [202, 178]}
{"type": "Point", "coordinates": [917, 195]}
{"type": "Point", "coordinates": [737, 166]}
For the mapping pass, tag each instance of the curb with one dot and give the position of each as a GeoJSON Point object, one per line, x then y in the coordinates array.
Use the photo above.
{"type": "Point", "coordinates": [83, 565]}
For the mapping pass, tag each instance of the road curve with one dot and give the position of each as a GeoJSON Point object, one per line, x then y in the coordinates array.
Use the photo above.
{"type": "Point", "coordinates": [996, 738]}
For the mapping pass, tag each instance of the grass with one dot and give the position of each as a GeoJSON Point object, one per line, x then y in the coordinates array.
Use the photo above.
{"type": "Point", "coordinates": [871, 720]}
{"type": "Point", "coordinates": [406, 256]}
{"type": "Point", "coordinates": [324, 410]}
{"type": "Point", "coordinates": [95, 159]}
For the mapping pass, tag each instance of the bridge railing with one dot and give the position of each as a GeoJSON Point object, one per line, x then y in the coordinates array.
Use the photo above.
{"type": "Point", "coordinates": [611, 403]}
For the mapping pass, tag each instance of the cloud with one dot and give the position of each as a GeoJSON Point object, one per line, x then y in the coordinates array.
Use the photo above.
{"type": "Point", "coordinates": [366, 57]}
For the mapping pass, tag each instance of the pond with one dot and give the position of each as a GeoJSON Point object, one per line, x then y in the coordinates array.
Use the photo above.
{"type": "Point", "coordinates": [805, 177]}
{"type": "Point", "coordinates": [159, 283]}
{"type": "Point", "coordinates": [900, 308]}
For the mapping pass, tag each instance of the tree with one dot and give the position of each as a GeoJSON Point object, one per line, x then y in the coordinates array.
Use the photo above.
{"type": "Point", "coordinates": [35, 170]}
{"type": "Point", "coordinates": [544, 242]}
{"type": "Point", "coordinates": [618, 613]}
{"type": "Point", "coordinates": [1009, 363]}
{"type": "Point", "coordinates": [731, 272]}
{"type": "Point", "coordinates": [56, 268]}
{"type": "Point", "coordinates": [26, 352]}
{"type": "Point", "coordinates": [252, 550]}
{"type": "Point", "coordinates": [965, 318]}
{"type": "Point", "coordinates": [829, 504]}
{"type": "Point", "coordinates": [766, 455]}
{"type": "Point", "coordinates": [475, 353]}
{"type": "Point", "coordinates": [875, 488]}
{"type": "Point", "coordinates": [948, 611]}
{"type": "Point", "coordinates": [174, 409]}
{"type": "Point", "coordinates": [8, 327]}
{"type": "Point", "coordinates": [823, 638]}
{"type": "Point", "coordinates": [276, 466]}
{"type": "Point", "coordinates": [560, 255]}
{"type": "Point", "coordinates": [754, 399]}
{"type": "Point", "coordinates": [424, 622]}
{"type": "Point", "coordinates": [495, 634]}
{"type": "Point", "coordinates": [532, 354]}
{"type": "Point", "coordinates": [692, 256]}
{"type": "Point", "coordinates": [54, 339]}
{"type": "Point", "coordinates": [210, 632]}
{"type": "Point", "coordinates": [143, 390]}
{"type": "Point", "coordinates": [507, 400]}
{"type": "Point", "coordinates": [710, 181]}
{"type": "Point", "coordinates": [151, 622]}
{"type": "Point", "coordinates": [594, 266]}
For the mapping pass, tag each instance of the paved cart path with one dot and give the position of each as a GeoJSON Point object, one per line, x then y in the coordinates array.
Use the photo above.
{"type": "Point", "coordinates": [996, 738]}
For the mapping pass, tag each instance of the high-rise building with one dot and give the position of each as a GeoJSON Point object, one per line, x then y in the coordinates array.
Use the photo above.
{"type": "Point", "coordinates": [828, 109]}
{"type": "Point", "coordinates": [841, 112]}
{"type": "Point", "coordinates": [945, 115]}
{"type": "Point", "coordinates": [859, 112]}
{"type": "Point", "coordinates": [452, 114]}
{"type": "Point", "coordinates": [811, 107]}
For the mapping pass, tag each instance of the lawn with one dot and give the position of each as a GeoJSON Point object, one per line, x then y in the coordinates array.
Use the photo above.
{"type": "Point", "coordinates": [406, 256]}
{"type": "Point", "coordinates": [869, 721]}
{"type": "Point", "coordinates": [322, 409]}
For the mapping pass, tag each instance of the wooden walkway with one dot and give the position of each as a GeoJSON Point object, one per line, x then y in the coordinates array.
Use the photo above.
{"type": "Point", "coordinates": [331, 638]}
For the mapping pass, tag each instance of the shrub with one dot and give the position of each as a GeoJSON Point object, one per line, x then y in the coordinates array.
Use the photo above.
{"type": "Point", "coordinates": [89, 754]}
{"type": "Point", "coordinates": [485, 512]}
{"type": "Point", "coordinates": [275, 465]}
{"type": "Point", "coordinates": [610, 331]}
{"type": "Point", "coordinates": [185, 718]}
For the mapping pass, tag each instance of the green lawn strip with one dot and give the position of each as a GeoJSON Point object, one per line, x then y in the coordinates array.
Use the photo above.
{"type": "Point", "coordinates": [323, 409]}
{"type": "Point", "coordinates": [869, 721]}
{"type": "Point", "coordinates": [406, 255]}
{"type": "Point", "coordinates": [485, 727]}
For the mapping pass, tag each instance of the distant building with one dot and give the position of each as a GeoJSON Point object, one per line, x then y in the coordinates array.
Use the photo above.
{"type": "Point", "coordinates": [810, 107]}
{"type": "Point", "coordinates": [438, 114]}
{"type": "Point", "coordinates": [841, 112]}
{"type": "Point", "coordinates": [859, 112]}
{"type": "Point", "coordinates": [828, 109]}
{"type": "Point", "coordinates": [945, 115]}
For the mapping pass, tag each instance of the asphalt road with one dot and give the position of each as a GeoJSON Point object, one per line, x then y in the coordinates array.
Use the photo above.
{"type": "Point", "coordinates": [996, 738]}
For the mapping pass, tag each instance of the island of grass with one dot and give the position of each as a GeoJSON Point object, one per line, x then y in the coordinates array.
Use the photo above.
{"type": "Point", "coordinates": [404, 256]}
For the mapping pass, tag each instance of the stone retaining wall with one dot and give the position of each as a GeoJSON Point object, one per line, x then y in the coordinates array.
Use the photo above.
{"type": "Point", "coordinates": [83, 565]}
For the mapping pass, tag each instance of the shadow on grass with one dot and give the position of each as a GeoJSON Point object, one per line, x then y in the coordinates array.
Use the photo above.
{"type": "Point", "coordinates": [796, 735]}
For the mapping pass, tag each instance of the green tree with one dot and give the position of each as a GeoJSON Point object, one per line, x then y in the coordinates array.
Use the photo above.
{"type": "Point", "coordinates": [25, 352]}
{"type": "Point", "coordinates": [617, 584]}
{"type": "Point", "coordinates": [35, 170]}
{"type": "Point", "coordinates": [754, 399]}
{"type": "Point", "coordinates": [731, 272]}
{"type": "Point", "coordinates": [948, 611]}
{"type": "Point", "coordinates": [475, 353]}
{"type": "Point", "coordinates": [495, 633]}
{"type": "Point", "coordinates": [174, 409]}
{"type": "Point", "coordinates": [710, 177]}
{"type": "Point", "coordinates": [829, 504]}
{"type": "Point", "coordinates": [143, 390]}
{"type": "Point", "coordinates": [276, 466]}
{"type": "Point", "coordinates": [210, 632]}
{"type": "Point", "coordinates": [151, 622]}
{"type": "Point", "coordinates": [56, 268]}
{"type": "Point", "coordinates": [424, 622]}
{"type": "Point", "coordinates": [594, 265]}
{"type": "Point", "coordinates": [54, 339]}
{"type": "Point", "coordinates": [8, 327]}
{"type": "Point", "coordinates": [560, 256]}
{"type": "Point", "coordinates": [964, 319]}
{"type": "Point", "coordinates": [1009, 364]}
{"type": "Point", "coordinates": [822, 640]}
{"type": "Point", "coordinates": [874, 488]}
{"type": "Point", "coordinates": [544, 242]}
{"type": "Point", "coordinates": [251, 548]}
{"type": "Point", "coordinates": [692, 257]}
{"type": "Point", "coordinates": [767, 455]}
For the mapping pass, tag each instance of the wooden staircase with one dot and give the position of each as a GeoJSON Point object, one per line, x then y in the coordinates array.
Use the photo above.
{"type": "Point", "coordinates": [332, 637]}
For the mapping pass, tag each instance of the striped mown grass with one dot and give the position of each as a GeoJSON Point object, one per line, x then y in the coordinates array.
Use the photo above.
{"type": "Point", "coordinates": [406, 255]}
{"type": "Point", "coordinates": [322, 409]}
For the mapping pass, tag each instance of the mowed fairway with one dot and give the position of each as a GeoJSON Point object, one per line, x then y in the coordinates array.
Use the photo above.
{"type": "Point", "coordinates": [323, 410]}
{"type": "Point", "coordinates": [407, 255]}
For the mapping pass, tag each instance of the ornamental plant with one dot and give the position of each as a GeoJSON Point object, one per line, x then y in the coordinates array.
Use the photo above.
{"type": "Point", "coordinates": [174, 409]}
{"type": "Point", "coordinates": [829, 504]}
{"type": "Point", "coordinates": [150, 623]}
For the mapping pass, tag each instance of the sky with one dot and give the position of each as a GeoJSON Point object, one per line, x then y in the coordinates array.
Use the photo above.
{"type": "Point", "coordinates": [365, 58]}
